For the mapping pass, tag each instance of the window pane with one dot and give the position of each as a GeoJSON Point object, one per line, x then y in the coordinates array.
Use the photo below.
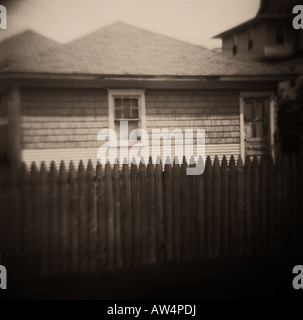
{"type": "Point", "coordinates": [127, 108]}
{"type": "Point", "coordinates": [259, 111]}
{"type": "Point", "coordinates": [118, 114]}
{"type": "Point", "coordinates": [248, 111]}
{"type": "Point", "coordinates": [118, 108]}
{"type": "Point", "coordinates": [249, 130]}
{"type": "Point", "coordinates": [134, 103]}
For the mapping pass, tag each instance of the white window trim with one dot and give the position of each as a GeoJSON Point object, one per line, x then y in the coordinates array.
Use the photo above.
{"type": "Point", "coordinates": [257, 94]}
{"type": "Point", "coordinates": [126, 93]}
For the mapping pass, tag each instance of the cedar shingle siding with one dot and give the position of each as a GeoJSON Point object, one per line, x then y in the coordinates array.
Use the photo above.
{"type": "Point", "coordinates": [72, 118]}
{"type": "Point", "coordinates": [216, 111]}
{"type": "Point", "coordinates": [63, 118]}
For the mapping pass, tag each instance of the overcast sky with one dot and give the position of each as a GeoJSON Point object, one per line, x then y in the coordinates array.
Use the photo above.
{"type": "Point", "coordinates": [195, 21]}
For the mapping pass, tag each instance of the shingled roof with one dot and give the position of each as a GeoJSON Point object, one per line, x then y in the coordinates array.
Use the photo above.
{"type": "Point", "coordinates": [122, 49]}
{"type": "Point", "coordinates": [24, 46]}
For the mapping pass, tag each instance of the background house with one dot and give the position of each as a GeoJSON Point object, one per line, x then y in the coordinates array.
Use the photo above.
{"type": "Point", "coordinates": [268, 37]}
{"type": "Point", "coordinates": [58, 99]}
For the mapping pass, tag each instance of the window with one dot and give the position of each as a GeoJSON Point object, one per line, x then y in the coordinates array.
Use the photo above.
{"type": "Point", "coordinates": [126, 105]}
{"type": "Point", "coordinates": [279, 34]}
{"type": "Point", "coordinates": [254, 117]}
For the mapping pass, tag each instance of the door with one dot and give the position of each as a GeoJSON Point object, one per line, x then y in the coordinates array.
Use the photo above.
{"type": "Point", "coordinates": [256, 126]}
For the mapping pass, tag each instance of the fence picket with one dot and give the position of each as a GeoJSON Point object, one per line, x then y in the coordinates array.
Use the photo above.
{"type": "Point", "coordinates": [64, 214]}
{"type": "Point", "coordinates": [92, 218]}
{"type": "Point", "coordinates": [87, 220]}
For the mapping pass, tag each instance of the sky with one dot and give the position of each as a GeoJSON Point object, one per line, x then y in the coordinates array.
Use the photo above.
{"type": "Point", "coordinates": [194, 21]}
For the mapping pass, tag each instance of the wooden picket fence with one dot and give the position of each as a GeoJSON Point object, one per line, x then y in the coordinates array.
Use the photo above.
{"type": "Point", "coordinates": [67, 220]}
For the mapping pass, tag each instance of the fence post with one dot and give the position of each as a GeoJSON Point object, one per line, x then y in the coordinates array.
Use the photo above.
{"type": "Point", "coordinates": [65, 221]}
{"type": "Point", "coordinates": [224, 209]}
{"type": "Point", "coordinates": [26, 232]}
{"type": "Point", "coordinates": [240, 208]}
{"type": "Point", "coordinates": [176, 198]}
{"type": "Point", "coordinates": [209, 208]}
{"type": "Point", "coordinates": [110, 216]}
{"type": "Point", "coordinates": [74, 218]}
{"type": "Point", "coordinates": [136, 249]}
{"type": "Point", "coordinates": [160, 212]}
{"type": "Point", "coordinates": [201, 213]}
{"type": "Point", "coordinates": [92, 218]}
{"type": "Point", "coordinates": [217, 207]}
{"type": "Point", "coordinates": [117, 219]}
{"type": "Point", "coordinates": [101, 218]}
{"type": "Point", "coordinates": [232, 206]}
{"type": "Point", "coordinates": [45, 218]}
{"type": "Point", "coordinates": [184, 211]}
{"type": "Point", "coordinates": [35, 221]}
{"type": "Point", "coordinates": [248, 206]}
{"type": "Point", "coordinates": [151, 211]}
{"type": "Point", "coordinates": [83, 221]}
{"type": "Point", "coordinates": [126, 216]}
{"type": "Point", "coordinates": [168, 214]}
{"type": "Point", "coordinates": [255, 186]}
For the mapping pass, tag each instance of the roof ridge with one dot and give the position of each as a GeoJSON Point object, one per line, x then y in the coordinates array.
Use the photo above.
{"type": "Point", "coordinates": [129, 25]}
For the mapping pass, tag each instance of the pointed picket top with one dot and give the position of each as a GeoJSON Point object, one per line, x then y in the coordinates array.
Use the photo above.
{"type": "Point", "coordinates": [125, 161]}
{"type": "Point", "coordinates": [247, 162]}
{"type": "Point", "coordinates": [72, 171]}
{"type": "Point", "coordinates": [239, 162]}
{"type": "Point", "coordinates": [116, 171]}
{"type": "Point", "coordinates": [43, 171]}
{"type": "Point", "coordinates": [176, 162]}
{"type": "Point", "coordinates": [62, 170]}
{"type": "Point", "coordinates": [232, 163]}
{"type": "Point", "coordinates": [53, 169]}
{"type": "Point", "coordinates": [192, 162]}
{"type": "Point", "coordinates": [34, 169]}
{"type": "Point", "coordinates": [133, 170]}
{"type": "Point", "coordinates": [134, 161]}
{"type": "Point", "coordinates": [99, 171]}
{"type": "Point", "coordinates": [142, 166]}
{"type": "Point", "coordinates": [224, 162]}
{"type": "Point", "coordinates": [150, 166]}
{"type": "Point", "coordinates": [23, 169]}
{"type": "Point", "coordinates": [108, 170]}
{"type": "Point", "coordinates": [158, 161]}
{"type": "Point", "coordinates": [125, 169]}
{"type": "Point", "coordinates": [142, 161]}
{"type": "Point", "coordinates": [81, 169]}
{"type": "Point", "coordinates": [167, 160]}
{"type": "Point", "coordinates": [208, 162]}
{"type": "Point", "coordinates": [201, 162]}
{"type": "Point", "coordinates": [184, 161]}
{"type": "Point", "coordinates": [90, 170]}
{"type": "Point", "coordinates": [216, 163]}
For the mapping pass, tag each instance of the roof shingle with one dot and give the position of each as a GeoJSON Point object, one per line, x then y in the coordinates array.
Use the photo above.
{"type": "Point", "coordinates": [122, 49]}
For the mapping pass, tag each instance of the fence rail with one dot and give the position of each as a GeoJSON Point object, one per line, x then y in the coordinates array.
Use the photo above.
{"type": "Point", "coordinates": [68, 220]}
